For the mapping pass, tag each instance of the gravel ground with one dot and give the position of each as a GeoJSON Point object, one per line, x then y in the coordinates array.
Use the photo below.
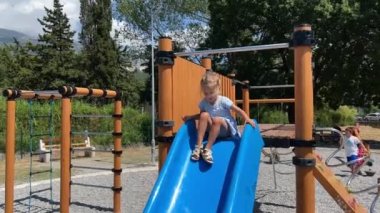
{"type": "Point", "coordinates": [138, 182]}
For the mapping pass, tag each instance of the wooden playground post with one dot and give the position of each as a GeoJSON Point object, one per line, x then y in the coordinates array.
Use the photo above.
{"type": "Point", "coordinates": [66, 93]}
{"type": "Point", "coordinates": [206, 63]}
{"type": "Point", "coordinates": [246, 97]}
{"type": "Point", "coordinates": [117, 134]}
{"type": "Point", "coordinates": [65, 154]}
{"type": "Point", "coordinates": [303, 79]}
{"type": "Point", "coordinates": [10, 154]}
{"type": "Point", "coordinates": [165, 101]}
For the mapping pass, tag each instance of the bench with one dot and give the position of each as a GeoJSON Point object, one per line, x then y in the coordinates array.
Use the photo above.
{"type": "Point", "coordinates": [82, 144]}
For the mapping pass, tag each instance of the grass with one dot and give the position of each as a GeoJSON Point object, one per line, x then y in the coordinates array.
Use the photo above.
{"type": "Point", "coordinates": [132, 156]}
{"type": "Point", "coordinates": [370, 133]}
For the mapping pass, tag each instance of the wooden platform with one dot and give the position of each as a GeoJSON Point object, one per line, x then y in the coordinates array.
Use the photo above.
{"type": "Point", "coordinates": [288, 131]}
{"type": "Point", "coordinates": [276, 130]}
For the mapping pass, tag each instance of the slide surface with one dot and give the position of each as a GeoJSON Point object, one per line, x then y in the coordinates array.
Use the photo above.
{"type": "Point", "coordinates": [228, 185]}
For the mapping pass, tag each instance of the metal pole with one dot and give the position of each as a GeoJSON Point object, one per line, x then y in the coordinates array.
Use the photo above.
{"type": "Point", "coordinates": [153, 151]}
{"type": "Point", "coordinates": [235, 49]}
{"type": "Point", "coordinates": [272, 86]}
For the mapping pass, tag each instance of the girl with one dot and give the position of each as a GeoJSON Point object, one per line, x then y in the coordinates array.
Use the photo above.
{"type": "Point", "coordinates": [215, 117]}
{"type": "Point", "coordinates": [352, 146]}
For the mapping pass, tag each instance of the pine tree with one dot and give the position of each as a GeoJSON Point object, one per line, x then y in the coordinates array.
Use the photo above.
{"type": "Point", "coordinates": [99, 48]}
{"type": "Point", "coordinates": [55, 49]}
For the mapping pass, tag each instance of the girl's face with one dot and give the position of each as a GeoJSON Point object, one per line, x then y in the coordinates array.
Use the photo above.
{"type": "Point", "coordinates": [210, 95]}
{"type": "Point", "coordinates": [348, 133]}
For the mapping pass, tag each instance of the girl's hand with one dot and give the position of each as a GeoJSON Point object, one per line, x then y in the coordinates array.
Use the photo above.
{"type": "Point", "coordinates": [185, 118]}
{"type": "Point", "coordinates": [250, 121]}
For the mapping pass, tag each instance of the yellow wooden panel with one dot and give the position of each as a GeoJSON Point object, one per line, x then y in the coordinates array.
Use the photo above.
{"type": "Point", "coordinates": [186, 90]}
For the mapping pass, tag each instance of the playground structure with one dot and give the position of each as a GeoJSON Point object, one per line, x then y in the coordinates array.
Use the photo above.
{"type": "Point", "coordinates": [65, 94]}
{"type": "Point", "coordinates": [309, 166]}
{"type": "Point", "coordinates": [174, 96]}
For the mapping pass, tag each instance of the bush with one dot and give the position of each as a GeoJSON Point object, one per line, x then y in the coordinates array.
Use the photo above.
{"type": "Point", "coordinates": [274, 116]}
{"type": "Point", "coordinates": [344, 115]}
{"type": "Point", "coordinates": [269, 114]}
{"type": "Point", "coordinates": [135, 124]}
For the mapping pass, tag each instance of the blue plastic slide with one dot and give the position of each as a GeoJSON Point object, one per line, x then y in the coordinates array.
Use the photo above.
{"type": "Point", "coordinates": [228, 185]}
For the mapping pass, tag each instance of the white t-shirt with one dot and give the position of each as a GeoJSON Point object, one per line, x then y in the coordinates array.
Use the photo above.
{"type": "Point", "coordinates": [221, 108]}
{"type": "Point", "coordinates": [351, 145]}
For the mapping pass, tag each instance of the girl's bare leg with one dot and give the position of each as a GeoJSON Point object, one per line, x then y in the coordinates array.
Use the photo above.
{"type": "Point", "coordinates": [217, 122]}
{"type": "Point", "coordinates": [204, 122]}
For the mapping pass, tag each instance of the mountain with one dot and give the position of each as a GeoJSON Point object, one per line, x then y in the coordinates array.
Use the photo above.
{"type": "Point", "coordinates": [7, 36]}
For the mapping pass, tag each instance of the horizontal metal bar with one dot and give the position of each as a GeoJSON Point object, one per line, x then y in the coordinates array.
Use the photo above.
{"type": "Point", "coordinates": [40, 134]}
{"type": "Point", "coordinates": [239, 82]}
{"type": "Point", "coordinates": [84, 148]}
{"type": "Point", "coordinates": [272, 86]}
{"type": "Point", "coordinates": [91, 185]}
{"type": "Point", "coordinates": [42, 171]}
{"type": "Point", "coordinates": [268, 101]}
{"type": "Point", "coordinates": [102, 150]}
{"type": "Point", "coordinates": [41, 116]}
{"type": "Point", "coordinates": [235, 49]}
{"type": "Point", "coordinates": [89, 167]}
{"type": "Point", "coordinates": [41, 190]}
{"type": "Point", "coordinates": [91, 133]}
{"type": "Point", "coordinates": [91, 116]}
{"type": "Point", "coordinates": [40, 152]}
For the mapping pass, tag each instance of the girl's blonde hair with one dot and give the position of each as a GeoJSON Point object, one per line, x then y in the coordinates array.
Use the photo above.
{"type": "Point", "coordinates": [210, 80]}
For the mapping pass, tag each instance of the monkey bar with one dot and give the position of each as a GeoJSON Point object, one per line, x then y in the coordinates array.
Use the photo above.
{"type": "Point", "coordinates": [235, 49]}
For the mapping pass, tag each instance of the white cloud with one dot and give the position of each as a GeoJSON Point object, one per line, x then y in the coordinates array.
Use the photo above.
{"type": "Point", "coordinates": [22, 15]}
{"type": "Point", "coordinates": [3, 6]}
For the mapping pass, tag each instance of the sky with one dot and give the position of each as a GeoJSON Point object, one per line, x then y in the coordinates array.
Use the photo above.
{"type": "Point", "coordinates": [21, 15]}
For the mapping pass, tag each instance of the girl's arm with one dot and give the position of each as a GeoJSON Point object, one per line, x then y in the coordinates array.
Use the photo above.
{"type": "Point", "coordinates": [363, 147]}
{"type": "Point", "coordinates": [243, 115]}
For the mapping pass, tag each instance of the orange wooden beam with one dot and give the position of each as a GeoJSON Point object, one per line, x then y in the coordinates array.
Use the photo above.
{"type": "Point", "coordinates": [336, 188]}
{"type": "Point", "coordinates": [80, 91]}
{"type": "Point", "coordinates": [65, 155]}
{"type": "Point", "coordinates": [246, 100]}
{"type": "Point", "coordinates": [10, 155]}
{"type": "Point", "coordinates": [117, 156]}
{"type": "Point", "coordinates": [30, 94]}
{"type": "Point", "coordinates": [165, 100]}
{"type": "Point", "coordinates": [303, 81]}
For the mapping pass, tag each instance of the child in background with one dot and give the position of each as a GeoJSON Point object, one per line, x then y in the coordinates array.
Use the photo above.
{"type": "Point", "coordinates": [215, 117]}
{"type": "Point", "coordinates": [352, 146]}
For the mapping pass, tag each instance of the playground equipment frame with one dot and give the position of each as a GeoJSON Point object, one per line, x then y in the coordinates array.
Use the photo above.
{"type": "Point", "coordinates": [64, 93]}
{"type": "Point", "coordinates": [308, 164]}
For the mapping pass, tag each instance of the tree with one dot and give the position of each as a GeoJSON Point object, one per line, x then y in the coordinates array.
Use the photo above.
{"type": "Point", "coordinates": [170, 18]}
{"type": "Point", "coordinates": [17, 64]}
{"type": "Point", "coordinates": [99, 48]}
{"type": "Point", "coordinates": [55, 50]}
{"type": "Point", "coordinates": [185, 21]}
{"type": "Point", "coordinates": [345, 57]}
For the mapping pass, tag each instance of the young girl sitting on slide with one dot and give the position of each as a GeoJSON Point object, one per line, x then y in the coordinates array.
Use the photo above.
{"type": "Point", "coordinates": [215, 117]}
